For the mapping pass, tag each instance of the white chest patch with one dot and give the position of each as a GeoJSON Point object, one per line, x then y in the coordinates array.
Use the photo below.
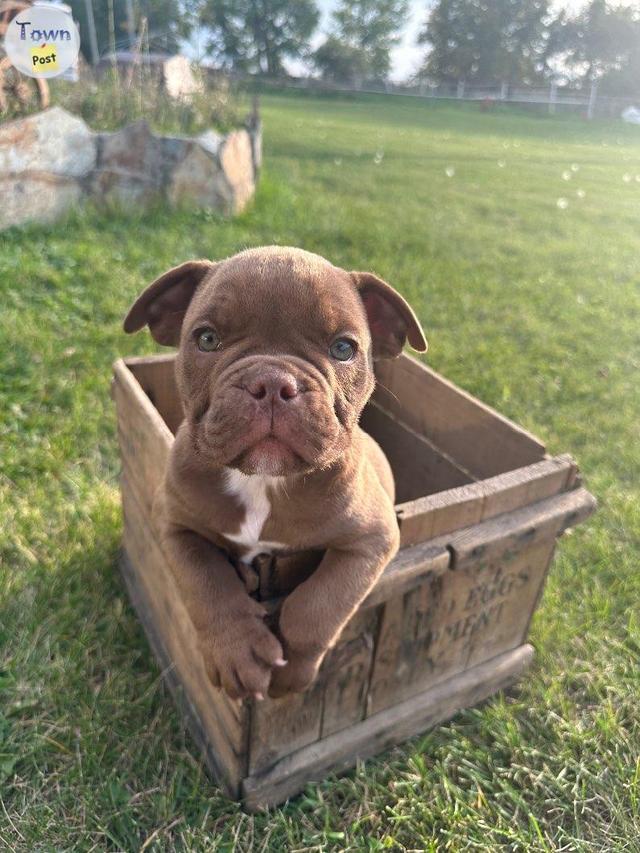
{"type": "Point", "coordinates": [252, 492]}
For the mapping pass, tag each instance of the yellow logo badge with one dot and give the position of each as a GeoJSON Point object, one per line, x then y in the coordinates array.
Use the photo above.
{"type": "Point", "coordinates": [44, 58]}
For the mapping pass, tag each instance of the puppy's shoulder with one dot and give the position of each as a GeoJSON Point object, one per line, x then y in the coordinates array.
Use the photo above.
{"type": "Point", "coordinates": [377, 463]}
{"type": "Point", "coordinates": [370, 489]}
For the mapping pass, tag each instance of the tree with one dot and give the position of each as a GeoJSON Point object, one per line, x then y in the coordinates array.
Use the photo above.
{"type": "Point", "coordinates": [500, 41]}
{"type": "Point", "coordinates": [166, 21]}
{"type": "Point", "coordinates": [341, 62]}
{"type": "Point", "coordinates": [258, 35]}
{"type": "Point", "coordinates": [362, 35]}
{"type": "Point", "coordinates": [600, 43]}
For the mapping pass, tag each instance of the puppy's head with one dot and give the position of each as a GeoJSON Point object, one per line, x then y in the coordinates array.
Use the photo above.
{"type": "Point", "coordinates": [276, 350]}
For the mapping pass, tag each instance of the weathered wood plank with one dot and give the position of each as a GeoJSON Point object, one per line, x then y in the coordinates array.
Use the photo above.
{"type": "Point", "coordinates": [474, 435]}
{"type": "Point", "coordinates": [524, 486]}
{"type": "Point", "coordinates": [156, 375]}
{"type": "Point", "coordinates": [500, 598]}
{"type": "Point", "coordinates": [172, 679]}
{"type": "Point", "coordinates": [156, 576]}
{"type": "Point", "coordinates": [224, 722]}
{"type": "Point", "coordinates": [281, 726]}
{"type": "Point", "coordinates": [427, 517]}
{"type": "Point", "coordinates": [166, 360]}
{"type": "Point", "coordinates": [377, 733]}
{"type": "Point", "coordinates": [230, 709]}
{"type": "Point", "coordinates": [406, 570]}
{"type": "Point", "coordinates": [144, 436]}
{"type": "Point", "coordinates": [403, 659]}
{"type": "Point", "coordinates": [433, 515]}
{"type": "Point", "coordinates": [512, 532]}
{"type": "Point", "coordinates": [346, 672]}
{"type": "Point", "coordinates": [417, 466]}
{"type": "Point", "coordinates": [134, 477]}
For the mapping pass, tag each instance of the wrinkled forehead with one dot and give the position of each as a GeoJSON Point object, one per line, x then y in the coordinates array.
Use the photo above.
{"type": "Point", "coordinates": [282, 288]}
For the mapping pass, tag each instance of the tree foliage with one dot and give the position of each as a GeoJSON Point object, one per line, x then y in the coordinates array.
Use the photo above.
{"type": "Point", "coordinates": [518, 41]}
{"type": "Point", "coordinates": [362, 35]}
{"type": "Point", "coordinates": [258, 35]}
{"type": "Point", "coordinates": [500, 41]}
{"type": "Point", "coordinates": [341, 62]}
{"type": "Point", "coordinates": [602, 43]}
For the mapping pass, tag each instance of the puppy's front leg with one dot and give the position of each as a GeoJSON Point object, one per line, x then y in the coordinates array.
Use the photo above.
{"type": "Point", "coordinates": [314, 614]}
{"type": "Point", "coordinates": [239, 650]}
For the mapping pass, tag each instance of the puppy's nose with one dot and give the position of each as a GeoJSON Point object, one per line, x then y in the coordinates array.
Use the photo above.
{"type": "Point", "coordinates": [274, 385]}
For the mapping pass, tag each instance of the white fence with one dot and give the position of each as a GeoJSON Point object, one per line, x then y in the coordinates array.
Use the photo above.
{"type": "Point", "coordinates": [551, 98]}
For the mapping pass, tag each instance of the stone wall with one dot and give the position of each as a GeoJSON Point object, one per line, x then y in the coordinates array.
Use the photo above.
{"type": "Point", "coordinates": [51, 161]}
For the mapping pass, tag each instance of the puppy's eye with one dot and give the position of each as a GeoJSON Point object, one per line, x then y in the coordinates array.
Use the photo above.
{"type": "Point", "coordinates": [343, 349]}
{"type": "Point", "coordinates": [208, 340]}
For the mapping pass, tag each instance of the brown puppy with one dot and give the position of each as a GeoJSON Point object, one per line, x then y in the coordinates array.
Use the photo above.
{"type": "Point", "coordinates": [274, 368]}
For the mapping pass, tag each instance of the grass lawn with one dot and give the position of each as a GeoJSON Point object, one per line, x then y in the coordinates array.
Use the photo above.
{"type": "Point", "coordinates": [517, 239]}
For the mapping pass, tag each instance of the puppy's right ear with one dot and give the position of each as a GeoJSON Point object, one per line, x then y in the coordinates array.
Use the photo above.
{"type": "Point", "coordinates": [164, 303]}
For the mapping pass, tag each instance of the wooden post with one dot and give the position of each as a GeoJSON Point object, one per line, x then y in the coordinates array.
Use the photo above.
{"type": "Point", "coordinates": [93, 39]}
{"type": "Point", "coordinates": [593, 94]}
{"type": "Point", "coordinates": [553, 97]}
{"type": "Point", "coordinates": [112, 51]}
{"type": "Point", "coordinates": [131, 25]}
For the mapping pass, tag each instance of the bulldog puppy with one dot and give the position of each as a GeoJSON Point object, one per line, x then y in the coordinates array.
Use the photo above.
{"type": "Point", "coordinates": [275, 364]}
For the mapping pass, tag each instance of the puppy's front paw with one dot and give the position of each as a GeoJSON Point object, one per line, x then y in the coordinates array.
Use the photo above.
{"type": "Point", "coordinates": [296, 676]}
{"type": "Point", "coordinates": [240, 654]}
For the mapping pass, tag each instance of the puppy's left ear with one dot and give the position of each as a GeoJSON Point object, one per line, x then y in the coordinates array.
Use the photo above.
{"type": "Point", "coordinates": [391, 318]}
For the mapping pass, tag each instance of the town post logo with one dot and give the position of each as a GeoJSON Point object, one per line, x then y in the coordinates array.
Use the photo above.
{"type": "Point", "coordinates": [42, 41]}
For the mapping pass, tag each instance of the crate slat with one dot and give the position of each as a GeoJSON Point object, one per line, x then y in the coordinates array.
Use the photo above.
{"type": "Point", "coordinates": [281, 726]}
{"type": "Point", "coordinates": [224, 726]}
{"type": "Point", "coordinates": [156, 375]}
{"type": "Point", "coordinates": [458, 508]}
{"type": "Point", "coordinates": [346, 673]}
{"type": "Point", "coordinates": [377, 733]}
{"type": "Point", "coordinates": [143, 434]}
{"type": "Point", "coordinates": [512, 532]}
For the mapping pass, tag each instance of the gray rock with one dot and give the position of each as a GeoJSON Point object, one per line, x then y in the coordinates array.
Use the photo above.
{"type": "Point", "coordinates": [199, 181]}
{"type": "Point", "coordinates": [129, 166]}
{"type": "Point", "coordinates": [41, 198]}
{"type": "Point", "coordinates": [134, 150]}
{"type": "Point", "coordinates": [52, 141]}
{"type": "Point", "coordinates": [51, 161]}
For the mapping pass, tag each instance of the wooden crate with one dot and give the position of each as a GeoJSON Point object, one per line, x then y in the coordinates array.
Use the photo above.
{"type": "Point", "coordinates": [480, 506]}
